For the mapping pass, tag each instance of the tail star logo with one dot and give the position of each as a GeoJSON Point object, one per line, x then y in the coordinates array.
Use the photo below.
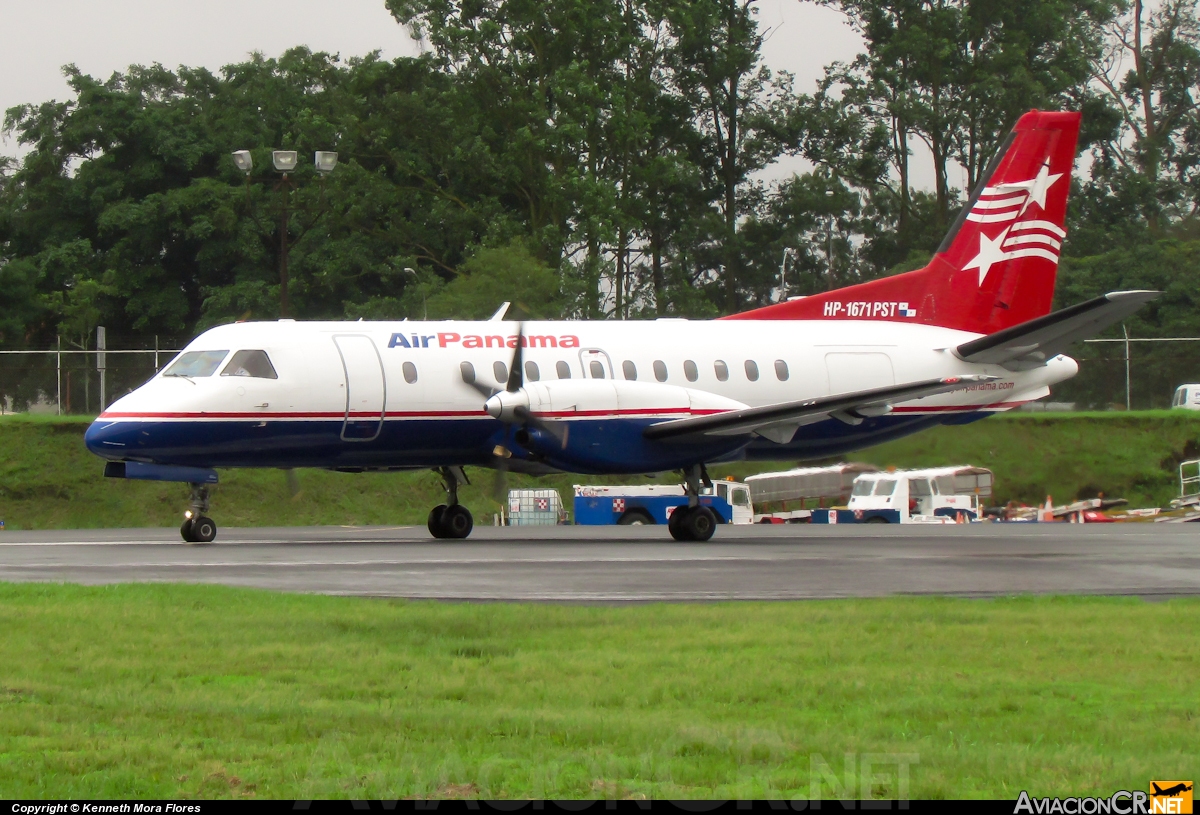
{"type": "Point", "coordinates": [1007, 203]}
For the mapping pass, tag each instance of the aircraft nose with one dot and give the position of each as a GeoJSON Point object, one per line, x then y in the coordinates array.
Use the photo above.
{"type": "Point", "coordinates": [108, 439]}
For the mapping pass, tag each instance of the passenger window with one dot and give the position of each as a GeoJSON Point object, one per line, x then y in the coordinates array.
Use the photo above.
{"type": "Point", "coordinates": [410, 372]}
{"type": "Point", "coordinates": [468, 372]}
{"type": "Point", "coordinates": [500, 371]}
{"type": "Point", "coordinates": [690, 370]}
{"type": "Point", "coordinates": [531, 371]}
{"type": "Point", "coordinates": [752, 370]}
{"type": "Point", "coordinates": [945, 485]}
{"type": "Point", "coordinates": [863, 487]}
{"type": "Point", "coordinates": [660, 370]}
{"type": "Point", "coordinates": [563, 369]}
{"type": "Point", "coordinates": [722, 371]}
{"type": "Point", "coordinates": [918, 486]}
{"type": "Point", "coordinates": [781, 370]}
{"type": "Point", "coordinates": [250, 363]}
{"type": "Point", "coordinates": [741, 498]}
{"type": "Point", "coordinates": [597, 368]}
{"type": "Point", "coordinates": [629, 369]}
{"type": "Point", "coordinates": [885, 486]}
{"type": "Point", "coordinates": [196, 363]}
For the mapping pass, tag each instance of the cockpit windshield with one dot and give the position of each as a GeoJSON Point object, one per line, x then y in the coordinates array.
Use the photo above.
{"type": "Point", "coordinates": [250, 363]}
{"type": "Point", "coordinates": [196, 363]}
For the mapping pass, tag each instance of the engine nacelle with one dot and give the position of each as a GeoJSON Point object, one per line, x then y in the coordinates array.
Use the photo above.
{"type": "Point", "coordinates": [598, 425]}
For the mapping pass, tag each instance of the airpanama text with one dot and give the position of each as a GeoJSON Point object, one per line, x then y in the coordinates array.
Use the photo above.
{"type": "Point", "coordinates": [449, 338]}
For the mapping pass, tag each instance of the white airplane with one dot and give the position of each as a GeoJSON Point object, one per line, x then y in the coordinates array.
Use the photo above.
{"type": "Point", "coordinates": [969, 335]}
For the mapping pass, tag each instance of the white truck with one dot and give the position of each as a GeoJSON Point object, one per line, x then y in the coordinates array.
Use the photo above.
{"type": "Point", "coordinates": [791, 496]}
{"type": "Point", "coordinates": [935, 495]}
{"type": "Point", "coordinates": [1186, 397]}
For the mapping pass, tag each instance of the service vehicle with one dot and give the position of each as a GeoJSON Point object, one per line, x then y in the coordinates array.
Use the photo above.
{"type": "Point", "coordinates": [655, 503]}
{"type": "Point", "coordinates": [1186, 397]}
{"type": "Point", "coordinates": [935, 495]}
{"type": "Point", "coordinates": [790, 496]}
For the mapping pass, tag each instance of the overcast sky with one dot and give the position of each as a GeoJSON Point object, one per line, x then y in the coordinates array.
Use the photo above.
{"type": "Point", "coordinates": [101, 36]}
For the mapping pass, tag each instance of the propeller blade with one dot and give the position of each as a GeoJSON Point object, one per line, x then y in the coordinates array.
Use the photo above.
{"type": "Point", "coordinates": [516, 372]}
{"type": "Point", "coordinates": [500, 480]}
{"type": "Point", "coordinates": [486, 391]}
{"type": "Point", "coordinates": [558, 430]}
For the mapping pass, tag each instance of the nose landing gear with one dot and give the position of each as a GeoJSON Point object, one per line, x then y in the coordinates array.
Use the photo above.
{"type": "Point", "coordinates": [693, 522]}
{"type": "Point", "coordinates": [197, 527]}
{"type": "Point", "coordinates": [451, 519]}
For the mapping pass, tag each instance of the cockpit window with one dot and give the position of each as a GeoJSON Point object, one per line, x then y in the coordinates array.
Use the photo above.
{"type": "Point", "coordinates": [250, 363]}
{"type": "Point", "coordinates": [196, 363]}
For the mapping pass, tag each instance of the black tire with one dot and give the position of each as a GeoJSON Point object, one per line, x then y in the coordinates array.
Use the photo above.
{"type": "Point", "coordinates": [457, 522]}
{"type": "Point", "coordinates": [635, 517]}
{"type": "Point", "coordinates": [700, 524]}
{"type": "Point", "coordinates": [185, 531]}
{"type": "Point", "coordinates": [675, 523]}
{"type": "Point", "coordinates": [435, 521]}
{"type": "Point", "coordinates": [204, 530]}
{"type": "Point", "coordinates": [876, 519]}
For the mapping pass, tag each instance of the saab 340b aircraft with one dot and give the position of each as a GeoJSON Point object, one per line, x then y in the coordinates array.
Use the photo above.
{"type": "Point", "coordinates": [966, 336]}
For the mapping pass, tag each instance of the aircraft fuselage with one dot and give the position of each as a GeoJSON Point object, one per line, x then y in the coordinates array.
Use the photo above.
{"type": "Point", "coordinates": [391, 394]}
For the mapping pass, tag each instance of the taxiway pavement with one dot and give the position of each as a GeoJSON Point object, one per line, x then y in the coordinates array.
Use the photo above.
{"type": "Point", "coordinates": [633, 564]}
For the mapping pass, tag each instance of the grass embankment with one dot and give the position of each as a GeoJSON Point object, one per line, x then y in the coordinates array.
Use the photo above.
{"type": "Point", "coordinates": [176, 691]}
{"type": "Point", "coordinates": [49, 480]}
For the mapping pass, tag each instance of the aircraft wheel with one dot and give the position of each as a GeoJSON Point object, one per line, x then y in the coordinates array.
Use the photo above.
{"type": "Point", "coordinates": [678, 525]}
{"type": "Point", "coordinates": [700, 523]}
{"type": "Point", "coordinates": [674, 523]}
{"type": "Point", "coordinates": [457, 522]}
{"type": "Point", "coordinates": [185, 531]}
{"type": "Point", "coordinates": [435, 521]}
{"type": "Point", "coordinates": [203, 530]}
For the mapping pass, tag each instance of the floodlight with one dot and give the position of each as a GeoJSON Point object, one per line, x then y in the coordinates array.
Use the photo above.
{"type": "Point", "coordinates": [243, 161]}
{"type": "Point", "coordinates": [285, 160]}
{"type": "Point", "coordinates": [325, 161]}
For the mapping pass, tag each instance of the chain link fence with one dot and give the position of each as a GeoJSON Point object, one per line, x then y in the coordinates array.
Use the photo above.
{"type": "Point", "coordinates": [1141, 373]}
{"type": "Point", "coordinates": [73, 382]}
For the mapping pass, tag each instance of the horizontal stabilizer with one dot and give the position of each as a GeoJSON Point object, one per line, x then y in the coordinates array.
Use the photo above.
{"type": "Point", "coordinates": [138, 471]}
{"type": "Point", "coordinates": [848, 407]}
{"type": "Point", "coordinates": [1031, 343]}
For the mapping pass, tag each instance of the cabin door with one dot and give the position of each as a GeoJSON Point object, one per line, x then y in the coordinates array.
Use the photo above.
{"type": "Point", "coordinates": [366, 390]}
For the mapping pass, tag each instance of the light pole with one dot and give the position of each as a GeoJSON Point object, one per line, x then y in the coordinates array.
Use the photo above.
{"type": "Point", "coordinates": [787, 252]}
{"type": "Point", "coordinates": [285, 162]}
{"type": "Point", "coordinates": [829, 239]}
{"type": "Point", "coordinates": [424, 302]}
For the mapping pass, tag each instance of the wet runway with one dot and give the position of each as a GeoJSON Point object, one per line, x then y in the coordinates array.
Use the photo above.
{"type": "Point", "coordinates": [628, 564]}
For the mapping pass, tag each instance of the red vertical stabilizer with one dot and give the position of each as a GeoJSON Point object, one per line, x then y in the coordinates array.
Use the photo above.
{"type": "Point", "coordinates": [997, 265]}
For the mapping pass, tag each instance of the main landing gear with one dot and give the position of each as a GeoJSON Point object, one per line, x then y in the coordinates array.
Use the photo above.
{"type": "Point", "coordinates": [693, 522]}
{"type": "Point", "coordinates": [197, 526]}
{"type": "Point", "coordinates": [451, 519]}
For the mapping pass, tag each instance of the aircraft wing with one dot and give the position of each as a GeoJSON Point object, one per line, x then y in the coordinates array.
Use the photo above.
{"type": "Point", "coordinates": [1029, 344]}
{"type": "Point", "coordinates": [779, 422]}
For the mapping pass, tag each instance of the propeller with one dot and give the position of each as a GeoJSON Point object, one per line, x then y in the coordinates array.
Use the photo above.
{"type": "Point", "coordinates": [511, 406]}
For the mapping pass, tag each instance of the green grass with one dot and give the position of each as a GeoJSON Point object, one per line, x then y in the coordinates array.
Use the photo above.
{"type": "Point", "coordinates": [49, 480]}
{"type": "Point", "coordinates": [189, 691]}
